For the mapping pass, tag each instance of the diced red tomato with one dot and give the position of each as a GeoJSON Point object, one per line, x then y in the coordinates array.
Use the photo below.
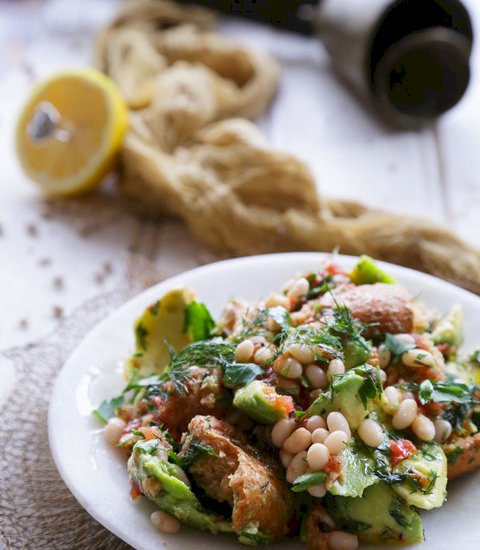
{"type": "Point", "coordinates": [331, 268]}
{"type": "Point", "coordinates": [334, 465]}
{"type": "Point", "coordinates": [134, 489]}
{"type": "Point", "coordinates": [443, 348]}
{"type": "Point", "coordinates": [283, 403]}
{"type": "Point", "coordinates": [401, 449]}
{"type": "Point", "coordinates": [420, 341]}
{"type": "Point", "coordinates": [150, 432]}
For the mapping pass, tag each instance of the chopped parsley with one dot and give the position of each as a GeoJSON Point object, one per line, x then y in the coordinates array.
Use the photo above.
{"type": "Point", "coordinates": [195, 450]}
{"type": "Point", "coordinates": [106, 409]}
{"type": "Point", "coordinates": [395, 346]}
{"type": "Point", "coordinates": [305, 481]}
{"type": "Point", "coordinates": [453, 456]}
{"type": "Point", "coordinates": [240, 374]}
{"type": "Point", "coordinates": [443, 392]}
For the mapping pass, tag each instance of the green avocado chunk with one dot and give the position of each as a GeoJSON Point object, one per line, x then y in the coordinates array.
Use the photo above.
{"type": "Point", "coordinates": [354, 394]}
{"type": "Point", "coordinates": [367, 272]}
{"type": "Point", "coordinates": [356, 351]}
{"type": "Point", "coordinates": [425, 486]}
{"type": "Point", "coordinates": [449, 330]}
{"type": "Point", "coordinates": [380, 515]}
{"type": "Point", "coordinates": [262, 403]}
{"type": "Point", "coordinates": [158, 479]}
{"type": "Point", "coordinates": [357, 471]}
{"type": "Point", "coordinates": [161, 323]}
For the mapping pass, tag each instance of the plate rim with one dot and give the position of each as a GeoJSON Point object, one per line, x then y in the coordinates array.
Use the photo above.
{"type": "Point", "coordinates": [176, 280]}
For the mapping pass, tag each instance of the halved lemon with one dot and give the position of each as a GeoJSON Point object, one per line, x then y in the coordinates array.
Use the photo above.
{"type": "Point", "coordinates": [70, 130]}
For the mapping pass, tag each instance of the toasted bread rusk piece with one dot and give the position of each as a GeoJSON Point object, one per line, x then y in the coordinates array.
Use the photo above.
{"type": "Point", "coordinates": [463, 454]}
{"type": "Point", "coordinates": [388, 307]}
{"type": "Point", "coordinates": [240, 475]}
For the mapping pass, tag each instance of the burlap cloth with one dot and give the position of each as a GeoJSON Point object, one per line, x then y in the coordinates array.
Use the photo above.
{"type": "Point", "coordinates": [191, 152]}
{"type": "Point", "coordinates": [37, 511]}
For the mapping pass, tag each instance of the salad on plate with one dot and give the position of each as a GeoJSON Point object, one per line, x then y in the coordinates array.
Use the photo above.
{"type": "Point", "coordinates": [332, 411]}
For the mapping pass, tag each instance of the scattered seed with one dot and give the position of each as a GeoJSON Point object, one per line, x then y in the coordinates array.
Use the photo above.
{"type": "Point", "coordinates": [32, 230]}
{"type": "Point", "coordinates": [58, 312]}
{"type": "Point", "coordinates": [58, 283]}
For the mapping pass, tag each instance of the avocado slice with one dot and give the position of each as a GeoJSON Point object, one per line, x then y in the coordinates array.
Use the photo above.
{"type": "Point", "coordinates": [354, 394]}
{"type": "Point", "coordinates": [262, 403]}
{"type": "Point", "coordinates": [356, 351]}
{"type": "Point", "coordinates": [449, 329]}
{"type": "Point", "coordinates": [357, 471]}
{"type": "Point", "coordinates": [426, 485]}
{"type": "Point", "coordinates": [163, 321]}
{"type": "Point", "coordinates": [380, 515]}
{"type": "Point", "coordinates": [150, 469]}
{"type": "Point", "coordinates": [367, 272]}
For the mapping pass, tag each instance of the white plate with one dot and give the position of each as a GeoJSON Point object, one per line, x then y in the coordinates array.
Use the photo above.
{"type": "Point", "coordinates": [96, 473]}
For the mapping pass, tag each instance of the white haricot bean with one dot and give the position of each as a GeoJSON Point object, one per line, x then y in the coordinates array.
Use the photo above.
{"type": "Point", "coordinates": [405, 415]}
{"type": "Point", "coordinates": [165, 522]}
{"type": "Point", "coordinates": [317, 456]}
{"type": "Point", "coordinates": [316, 376]}
{"type": "Point", "coordinates": [262, 355]}
{"type": "Point", "coordinates": [315, 422]}
{"type": "Point", "coordinates": [319, 435]}
{"type": "Point", "coordinates": [299, 289]}
{"type": "Point", "coordinates": [336, 367]}
{"type": "Point", "coordinates": [113, 430]}
{"type": "Point", "coordinates": [384, 356]}
{"type": "Point", "coordinates": [405, 339]}
{"type": "Point", "coordinates": [289, 386]}
{"type": "Point", "coordinates": [336, 421]}
{"type": "Point", "coordinates": [281, 430]}
{"type": "Point", "coordinates": [301, 353]}
{"type": "Point", "coordinates": [289, 367]}
{"type": "Point", "coordinates": [286, 458]}
{"type": "Point", "coordinates": [392, 398]}
{"type": "Point", "coordinates": [297, 467]}
{"type": "Point", "coordinates": [244, 351]}
{"type": "Point", "coordinates": [318, 491]}
{"type": "Point", "coordinates": [416, 358]}
{"type": "Point", "coordinates": [371, 433]}
{"type": "Point", "coordinates": [336, 442]}
{"type": "Point", "coordinates": [423, 428]}
{"type": "Point", "coordinates": [277, 300]}
{"type": "Point", "coordinates": [298, 441]}
{"type": "Point", "coordinates": [443, 430]}
{"type": "Point", "coordinates": [339, 540]}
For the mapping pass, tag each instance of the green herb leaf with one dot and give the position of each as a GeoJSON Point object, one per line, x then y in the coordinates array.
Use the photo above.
{"type": "Point", "coordinates": [319, 287]}
{"type": "Point", "coordinates": [137, 383]}
{"type": "Point", "coordinates": [194, 451]}
{"type": "Point", "coordinates": [443, 392]}
{"type": "Point", "coordinates": [304, 482]}
{"type": "Point", "coordinates": [240, 374]}
{"type": "Point", "coordinates": [395, 512]}
{"type": "Point", "coordinates": [396, 346]}
{"type": "Point", "coordinates": [453, 456]}
{"type": "Point", "coordinates": [106, 409]}
{"type": "Point", "coordinates": [198, 321]}
{"type": "Point", "coordinates": [148, 447]}
{"type": "Point", "coordinates": [141, 334]}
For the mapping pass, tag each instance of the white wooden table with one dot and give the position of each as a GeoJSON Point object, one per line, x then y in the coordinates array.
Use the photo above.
{"type": "Point", "coordinates": [53, 257]}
